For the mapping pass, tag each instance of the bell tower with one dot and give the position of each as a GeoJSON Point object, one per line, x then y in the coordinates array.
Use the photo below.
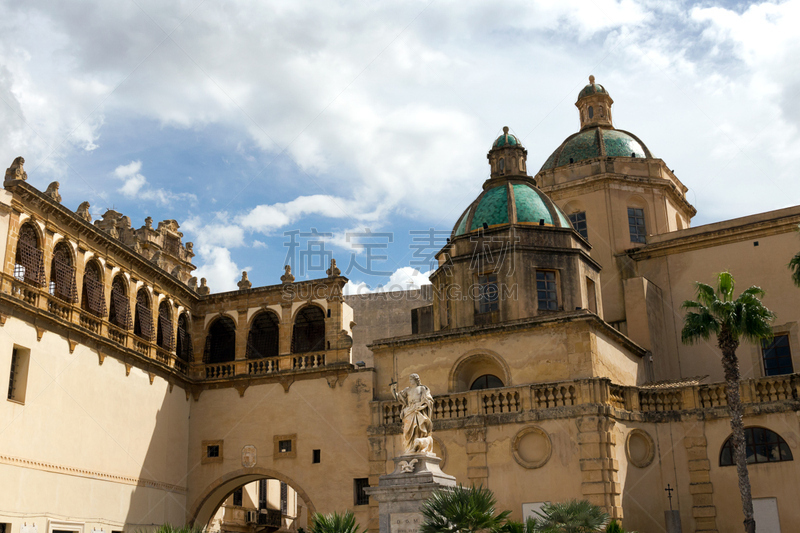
{"type": "Point", "coordinates": [594, 106]}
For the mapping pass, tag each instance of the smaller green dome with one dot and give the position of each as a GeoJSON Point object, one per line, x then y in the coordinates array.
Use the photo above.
{"type": "Point", "coordinates": [506, 139]}
{"type": "Point", "coordinates": [592, 88]}
{"type": "Point", "coordinates": [497, 206]}
{"type": "Point", "coordinates": [596, 142]}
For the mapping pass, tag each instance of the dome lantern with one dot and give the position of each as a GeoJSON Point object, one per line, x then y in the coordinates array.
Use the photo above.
{"type": "Point", "coordinates": [594, 106]}
{"type": "Point", "coordinates": [507, 156]}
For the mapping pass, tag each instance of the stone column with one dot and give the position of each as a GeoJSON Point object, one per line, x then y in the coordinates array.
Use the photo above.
{"type": "Point", "coordinates": [703, 509]}
{"type": "Point", "coordinates": [599, 469]}
{"type": "Point", "coordinates": [377, 468]}
{"type": "Point", "coordinates": [242, 331]}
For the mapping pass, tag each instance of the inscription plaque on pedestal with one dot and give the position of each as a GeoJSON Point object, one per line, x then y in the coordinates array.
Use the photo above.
{"type": "Point", "coordinates": [405, 522]}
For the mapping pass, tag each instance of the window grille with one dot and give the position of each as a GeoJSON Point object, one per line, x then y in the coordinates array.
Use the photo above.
{"type": "Point", "coordinates": [238, 495]}
{"type": "Point", "coordinates": [172, 245]}
{"type": "Point", "coordinates": [13, 377]}
{"type": "Point", "coordinates": [777, 356]}
{"type": "Point", "coordinates": [360, 496]}
{"type": "Point", "coordinates": [579, 223]}
{"type": "Point", "coordinates": [284, 498]}
{"type": "Point", "coordinates": [262, 341]}
{"type": "Point", "coordinates": [220, 342]}
{"type": "Point", "coordinates": [164, 334]}
{"type": "Point", "coordinates": [308, 334]}
{"type": "Point", "coordinates": [636, 225]}
{"type": "Point", "coordinates": [546, 291]}
{"type": "Point", "coordinates": [184, 341]}
{"type": "Point", "coordinates": [120, 312]}
{"type": "Point", "coordinates": [489, 294]}
{"type": "Point", "coordinates": [143, 321]}
{"type": "Point", "coordinates": [762, 446]}
{"type": "Point", "coordinates": [62, 276]}
{"type": "Point", "coordinates": [29, 261]}
{"type": "Point", "coordinates": [93, 298]}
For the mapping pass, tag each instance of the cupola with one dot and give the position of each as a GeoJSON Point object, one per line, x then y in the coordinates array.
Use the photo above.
{"type": "Point", "coordinates": [507, 157]}
{"type": "Point", "coordinates": [594, 106]}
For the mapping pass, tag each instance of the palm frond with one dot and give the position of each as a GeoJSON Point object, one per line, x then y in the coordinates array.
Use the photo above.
{"type": "Point", "coordinates": [571, 516]}
{"type": "Point", "coordinates": [725, 286]}
{"type": "Point", "coordinates": [460, 510]}
{"type": "Point", "coordinates": [698, 326]}
{"type": "Point", "coordinates": [334, 523]}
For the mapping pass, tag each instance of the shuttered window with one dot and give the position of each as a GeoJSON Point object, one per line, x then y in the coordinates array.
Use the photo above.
{"type": "Point", "coordinates": [164, 335]}
{"type": "Point", "coordinates": [29, 261]}
{"type": "Point", "coordinates": [262, 341]}
{"type": "Point", "coordinates": [308, 334]}
{"type": "Point", "coordinates": [93, 298]}
{"type": "Point", "coordinates": [120, 312]}
{"type": "Point", "coordinates": [62, 275]}
{"type": "Point", "coordinates": [143, 321]}
{"type": "Point", "coordinates": [184, 341]}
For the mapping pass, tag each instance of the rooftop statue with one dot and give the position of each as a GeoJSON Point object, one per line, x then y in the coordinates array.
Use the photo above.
{"type": "Point", "coordinates": [15, 171]}
{"type": "Point", "coordinates": [52, 192]}
{"type": "Point", "coordinates": [417, 416]}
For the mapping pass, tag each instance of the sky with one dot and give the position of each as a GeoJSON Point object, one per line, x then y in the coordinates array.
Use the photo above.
{"type": "Point", "coordinates": [295, 131]}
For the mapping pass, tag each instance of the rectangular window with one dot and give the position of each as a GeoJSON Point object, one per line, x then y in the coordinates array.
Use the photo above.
{"type": "Point", "coordinates": [238, 496]}
{"type": "Point", "coordinates": [284, 446]}
{"type": "Point", "coordinates": [546, 291]}
{"type": "Point", "coordinates": [422, 320]}
{"type": "Point", "coordinates": [212, 451]}
{"type": "Point", "coordinates": [262, 494]}
{"type": "Point", "coordinates": [18, 375]}
{"type": "Point", "coordinates": [284, 498]}
{"type": "Point", "coordinates": [489, 293]}
{"type": "Point", "coordinates": [360, 497]}
{"type": "Point", "coordinates": [777, 356]}
{"type": "Point", "coordinates": [591, 295]}
{"type": "Point", "coordinates": [636, 225]}
{"type": "Point", "coordinates": [317, 457]}
{"type": "Point", "coordinates": [579, 223]}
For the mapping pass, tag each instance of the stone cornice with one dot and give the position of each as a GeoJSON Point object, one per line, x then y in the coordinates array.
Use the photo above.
{"type": "Point", "coordinates": [554, 319]}
{"type": "Point", "coordinates": [26, 195]}
{"type": "Point", "coordinates": [720, 233]}
{"type": "Point", "coordinates": [602, 180]}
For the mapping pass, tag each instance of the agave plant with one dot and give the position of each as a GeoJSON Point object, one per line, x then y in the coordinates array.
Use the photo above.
{"type": "Point", "coordinates": [334, 523]}
{"type": "Point", "coordinates": [462, 510]}
{"type": "Point", "coordinates": [573, 516]}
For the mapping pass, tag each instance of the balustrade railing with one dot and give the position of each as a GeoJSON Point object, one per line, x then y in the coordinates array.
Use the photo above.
{"type": "Point", "coordinates": [452, 406]}
{"type": "Point", "coordinates": [660, 400]}
{"type": "Point", "coordinates": [257, 367]}
{"type": "Point", "coordinates": [499, 401]}
{"type": "Point", "coordinates": [24, 292]}
{"type": "Point", "coordinates": [90, 322]}
{"type": "Point", "coordinates": [554, 395]}
{"type": "Point", "coordinates": [308, 361]}
{"type": "Point", "coordinates": [713, 395]}
{"type": "Point", "coordinates": [220, 370]}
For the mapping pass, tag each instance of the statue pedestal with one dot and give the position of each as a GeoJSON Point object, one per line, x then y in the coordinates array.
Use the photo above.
{"type": "Point", "coordinates": [673, 521]}
{"type": "Point", "coordinates": [401, 493]}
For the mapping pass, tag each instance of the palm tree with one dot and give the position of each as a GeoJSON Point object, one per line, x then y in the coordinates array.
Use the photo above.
{"type": "Point", "coordinates": [572, 516]}
{"type": "Point", "coordinates": [794, 266]}
{"type": "Point", "coordinates": [717, 312]}
{"type": "Point", "coordinates": [334, 523]}
{"type": "Point", "coordinates": [462, 510]}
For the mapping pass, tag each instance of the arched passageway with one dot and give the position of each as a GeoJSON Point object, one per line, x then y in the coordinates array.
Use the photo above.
{"type": "Point", "coordinates": [221, 494]}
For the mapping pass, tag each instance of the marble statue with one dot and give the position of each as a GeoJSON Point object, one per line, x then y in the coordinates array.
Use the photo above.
{"type": "Point", "coordinates": [417, 416]}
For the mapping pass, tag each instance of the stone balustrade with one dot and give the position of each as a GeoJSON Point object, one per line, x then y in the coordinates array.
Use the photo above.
{"type": "Point", "coordinates": [639, 401]}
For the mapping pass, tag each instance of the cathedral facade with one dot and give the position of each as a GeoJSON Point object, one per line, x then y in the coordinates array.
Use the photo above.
{"type": "Point", "coordinates": [549, 337]}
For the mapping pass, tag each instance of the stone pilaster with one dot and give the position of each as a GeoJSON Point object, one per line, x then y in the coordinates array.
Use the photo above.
{"type": "Point", "coordinates": [599, 468]}
{"type": "Point", "coordinates": [377, 468]}
{"type": "Point", "coordinates": [703, 509]}
{"type": "Point", "coordinates": [477, 469]}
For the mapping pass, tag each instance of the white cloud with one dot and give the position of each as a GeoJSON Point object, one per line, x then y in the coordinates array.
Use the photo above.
{"type": "Point", "coordinates": [402, 279]}
{"type": "Point", "coordinates": [218, 268]}
{"type": "Point", "coordinates": [259, 244]}
{"type": "Point", "coordinates": [135, 183]}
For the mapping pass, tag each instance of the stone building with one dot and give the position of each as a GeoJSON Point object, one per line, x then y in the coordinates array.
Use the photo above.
{"type": "Point", "coordinates": [549, 337]}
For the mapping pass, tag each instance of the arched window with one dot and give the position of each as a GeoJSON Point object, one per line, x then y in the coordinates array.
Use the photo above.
{"type": "Point", "coordinates": [93, 299]}
{"type": "Point", "coordinates": [262, 341]}
{"type": "Point", "coordinates": [143, 319]}
{"type": "Point", "coordinates": [486, 381]}
{"type": "Point", "coordinates": [221, 341]}
{"type": "Point", "coordinates": [591, 112]}
{"type": "Point", "coordinates": [183, 344]}
{"type": "Point", "coordinates": [164, 331]}
{"type": "Point", "coordinates": [29, 261]}
{"type": "Point", "coordinates": [119, 312]}
{"type": "Point", "coordinates": [501, 165]}
{"type": "Point", "coordinates": [763, 446]}
{"type": "Point", "coordinates": [309, 330]}
{"type": "Point", "coordinates": [62, 274]}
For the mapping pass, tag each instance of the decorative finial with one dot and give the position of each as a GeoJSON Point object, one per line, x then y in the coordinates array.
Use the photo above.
{"type": "Point", "coordinates": [15, 171]}
{"type": "Point", "coordinates": [245, 283]}
{"type": "Point", "coordinates": [287, 276]}
{"type": "Point", "coordinates": [333, 271]}
{"type": "Point", "coordinates": [591, 79]}
{"type": "Point", "coordinates": [505, 130]}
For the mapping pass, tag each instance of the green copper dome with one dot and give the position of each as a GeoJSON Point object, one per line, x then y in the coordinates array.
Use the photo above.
{"type": "Point", "coordinates": [592, 88]}
{"type": "Point", "coordinates": [596, 142]}
{"type": "Point", "coordinates": [519, 203]}
{"type": "Point", "coordinates": [506, 139]}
